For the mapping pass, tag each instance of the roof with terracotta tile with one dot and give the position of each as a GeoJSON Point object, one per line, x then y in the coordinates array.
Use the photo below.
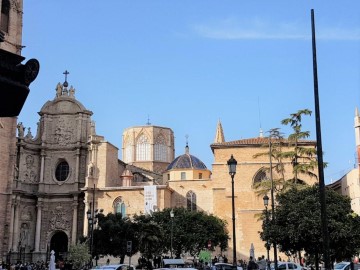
{"type": "Point", "coordinates": [257, 141]}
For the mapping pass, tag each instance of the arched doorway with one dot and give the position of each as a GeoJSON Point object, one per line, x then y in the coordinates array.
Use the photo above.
{"type": "Point", "coordinates": [59, 243]}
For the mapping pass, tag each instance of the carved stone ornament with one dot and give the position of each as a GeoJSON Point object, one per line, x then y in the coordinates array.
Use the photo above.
{"type": "Point", "coordinates": [63, 132]}
{"type": "Point", "coordinates": [59, 221]}
{"type": "Point", "coordinates": [29, 161]}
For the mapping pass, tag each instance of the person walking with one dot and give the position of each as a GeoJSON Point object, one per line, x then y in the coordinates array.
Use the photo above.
{"type": "Point", "coordinates": [252, 265]}
{"type": "Point", "coordinates": [262, 263]}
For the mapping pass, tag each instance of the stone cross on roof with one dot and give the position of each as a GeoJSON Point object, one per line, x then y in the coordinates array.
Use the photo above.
{"type": "Point", "coordinates": [65, 84]}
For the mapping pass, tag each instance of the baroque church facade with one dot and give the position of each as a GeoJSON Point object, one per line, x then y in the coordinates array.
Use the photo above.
{"type": "Point", "coordinates": [51, 180]}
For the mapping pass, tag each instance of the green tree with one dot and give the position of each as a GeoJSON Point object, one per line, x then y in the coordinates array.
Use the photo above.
{"type": "Point", "coordinates": [192, 230]}
{"type": "Point", "coordinates": [297, 224]}
{"type": "Point", "coordinates": [150, 236]}
{"type": "Point", "coordinates": [112, 234]}
{"type": "Point", "coordinates": [79, 255]}
{"type": "Point", "coordinates": [302, 158]}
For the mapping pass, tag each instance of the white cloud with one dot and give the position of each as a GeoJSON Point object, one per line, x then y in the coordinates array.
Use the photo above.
{"type": "Point", "coordinates": [232, 29]}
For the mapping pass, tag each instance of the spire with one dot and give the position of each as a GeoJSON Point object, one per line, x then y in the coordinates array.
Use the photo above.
{"type": "Point", "coordinates": [219, 136]}
{"type": "Point", "coordinates": [261, 133]}
{"type": "Point", "coordinates": [148, 121]}
{"type": "Point", "coordinates": [187, 151]}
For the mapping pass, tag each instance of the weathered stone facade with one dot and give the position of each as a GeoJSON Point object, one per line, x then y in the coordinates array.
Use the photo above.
{"type": "Point", "coordinates": [50, 172]}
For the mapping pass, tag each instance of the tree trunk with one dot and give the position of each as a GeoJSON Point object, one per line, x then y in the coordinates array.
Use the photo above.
{"type": "Point", "coordinates": [316, 261]}
{"type": "Point", "coordinates": [122, 258]}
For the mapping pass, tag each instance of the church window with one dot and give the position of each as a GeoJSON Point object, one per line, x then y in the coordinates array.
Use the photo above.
{"type": "Point", "coordinates": [168, 176]}
{"type": "Point", "coordinates": [200, 175]}
{"type": "Point", "coordinates": [183, 175]}
{"type": "Point", "coordinates": [119, 207]}
{"type": "Point", "coordinates": [142, 148]}
{"type": "Point", "coordinates": [260, 176]}
{"type": "Point", "coordinates": [191, 201]}
{"type": "Point", "coordinates": [5, 10]}
{"type": "Point", "coordinates": [62, 171]}
{"type": "Point", "coordinates": [160, 149]}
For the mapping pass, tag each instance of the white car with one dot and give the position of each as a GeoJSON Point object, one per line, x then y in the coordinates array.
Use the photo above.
{"type": "Point", "coordinates": [345, 266]}
{"type": "Point", "coordinates": [225, 266]}
{"type": "Point", "coordinates": [117, 267]}
{"type": "Point", "coordinates": [287, 265]}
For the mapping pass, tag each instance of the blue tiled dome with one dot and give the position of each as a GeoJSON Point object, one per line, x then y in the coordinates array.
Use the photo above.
{"type": "Point", "coordinates": [187, 161]}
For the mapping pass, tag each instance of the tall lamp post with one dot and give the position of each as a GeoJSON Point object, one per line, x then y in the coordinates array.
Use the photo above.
{"type": "Point", "coordinates": [172, 228]}
{"type": "Point", "coordinates": [266, 203]}
{"type": "Point", "coordinates": [90, 232]}
{"type": "Point", "coordinates": [92, 216]}
{"type": "Point", "coordinates": [232, 171]}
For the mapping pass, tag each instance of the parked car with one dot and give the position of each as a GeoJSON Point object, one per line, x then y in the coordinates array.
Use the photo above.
{"type": "Point", "coordinates": [287, 265]}
{"type": "Point", "coordinates": [346, 266]}
{"type": "Point", "coordinates": [117, 267]}
{"type": "Point", "coordinates": [225, 266]}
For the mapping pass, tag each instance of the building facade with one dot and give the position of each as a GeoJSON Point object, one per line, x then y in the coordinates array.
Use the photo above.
{"type": "Point", "coordinates": [15, 79]}
{"type": "Point", "coordinates": [349, 184]}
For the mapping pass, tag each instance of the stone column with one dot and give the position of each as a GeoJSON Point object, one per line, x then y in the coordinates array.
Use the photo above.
{"type": "Point", "coordinates": [75, 220]}
{"type": "Point", "coordinates": [42, 166]}
{"type": "Point", "coordinates": [11, 229]}
{"type": "Point", "coordinates": [87, 207]}
{"type": "Point", "coordinates": [16, 224]}
{"type": "Point", "coordinates": [77, 169]}
{"type": "Point", "coordinates": [38, 225]}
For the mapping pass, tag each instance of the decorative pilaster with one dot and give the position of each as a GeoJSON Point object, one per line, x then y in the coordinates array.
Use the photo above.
{"type": "Point", "coordinates": [38, 225]}
{"type": "Point", "coordinates": [16, 224]}
{"type": "Point", "coordinates": [12, 217]}
{"type": "Point", "coordinates": [77, 165]}
{"type": "Point", "coordinates": [74, 224]}
{"type": "Point", "coordinates": [42, 166]}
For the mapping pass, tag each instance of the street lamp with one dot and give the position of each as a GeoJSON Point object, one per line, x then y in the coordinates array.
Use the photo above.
{"type": "Point", "coordinates": [90, 231]}
{"type": "Point", "coordinates": [171, 238]}
{"type": "Point", "coordinates": [92, 216]}
{"type": "Point", "coordinates": [266, 203]}
{"type": "Point", "coordinates": [232, 171]}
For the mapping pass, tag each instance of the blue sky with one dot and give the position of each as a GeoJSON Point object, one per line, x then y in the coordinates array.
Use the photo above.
{"type": "Point", "coordinates": [187, 64]}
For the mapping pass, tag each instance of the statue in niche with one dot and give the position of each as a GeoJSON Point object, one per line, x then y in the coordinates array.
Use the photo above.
{"type": "Point", "coordinates": [24, 235]}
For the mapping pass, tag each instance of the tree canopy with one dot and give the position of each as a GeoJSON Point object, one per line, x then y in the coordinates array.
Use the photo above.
{"type": "Point", "coordinates": [297, 224]}
{"type": "Point", "coordinates": [191, 231]}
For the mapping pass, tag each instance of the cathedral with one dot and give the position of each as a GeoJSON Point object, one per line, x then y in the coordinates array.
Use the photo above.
{"type": "Point", "coordinates": [67, 172]}
{"type": "Point", "coordinates": [55, 180]}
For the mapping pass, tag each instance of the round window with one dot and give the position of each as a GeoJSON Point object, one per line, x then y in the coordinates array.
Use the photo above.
{"type": "Point", "coordinates": [62, 171]}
